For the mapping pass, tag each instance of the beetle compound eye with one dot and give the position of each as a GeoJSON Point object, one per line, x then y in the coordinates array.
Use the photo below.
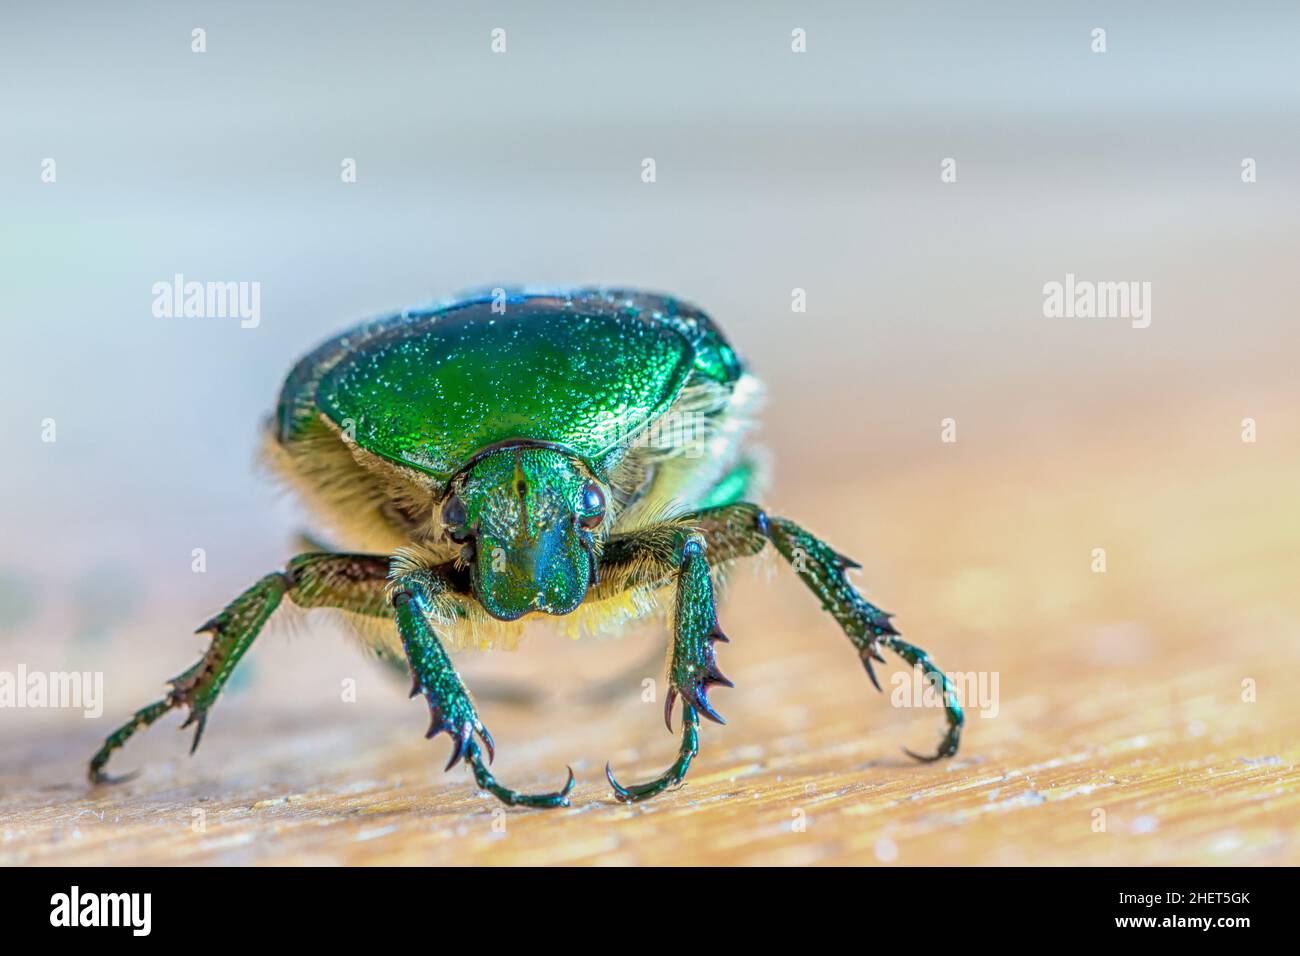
{"type": "Point", "coordinates": [593, 506]}
{"type": "Point", "coordinates": [454, 518]}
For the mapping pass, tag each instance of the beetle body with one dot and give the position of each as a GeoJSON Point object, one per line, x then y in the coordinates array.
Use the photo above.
{"type": "Point", "coordinates": [573, 455]}
{"type": "Point", "coordinates": [641, 393]}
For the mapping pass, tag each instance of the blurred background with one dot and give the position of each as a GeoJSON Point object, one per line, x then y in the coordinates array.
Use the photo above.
{"type": "Point", "coordinates": [774, 171]}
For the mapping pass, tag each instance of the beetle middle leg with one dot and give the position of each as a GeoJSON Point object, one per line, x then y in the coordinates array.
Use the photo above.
{"type": "Point", "coordinates": [353, 582]}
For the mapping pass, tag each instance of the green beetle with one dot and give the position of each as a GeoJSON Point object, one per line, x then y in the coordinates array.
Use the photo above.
{"type": "Point", "coordinates": [514, 454]}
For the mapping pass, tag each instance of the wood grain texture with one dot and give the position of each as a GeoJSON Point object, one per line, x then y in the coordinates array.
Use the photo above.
{"type": "Point", "coordinates": [1123, 694]}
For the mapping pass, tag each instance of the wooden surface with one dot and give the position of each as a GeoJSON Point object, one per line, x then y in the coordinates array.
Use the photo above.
{"type": "Point", "coordinates": [1120, 698]}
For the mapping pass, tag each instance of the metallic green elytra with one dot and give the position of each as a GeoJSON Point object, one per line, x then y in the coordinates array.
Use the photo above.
{"type": "Point", "coordinates": [482, 463]}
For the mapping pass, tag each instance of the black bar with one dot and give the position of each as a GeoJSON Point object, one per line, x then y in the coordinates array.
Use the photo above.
{"type": "Point", "coordinates": [310, 905]}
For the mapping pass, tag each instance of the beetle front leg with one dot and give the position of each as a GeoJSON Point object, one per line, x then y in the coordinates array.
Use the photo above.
{"type": "Point", "coordinates": [354, 582]}
{"type": "Point", "coordinates": [233, 631]}
{"type": "Point", "coordinates": [413, 596]}
{"type": "Point", "coordinates": [692, 668]}
{"type": "Point", "coordinates": [742, 529]}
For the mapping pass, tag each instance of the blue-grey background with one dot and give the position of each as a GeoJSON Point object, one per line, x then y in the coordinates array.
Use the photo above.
{"type": "Point", "coordinates": [775, 171]}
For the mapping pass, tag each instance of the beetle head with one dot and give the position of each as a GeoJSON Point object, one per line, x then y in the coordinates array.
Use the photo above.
{"type": "Point", "coordinates": [527, 517]}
